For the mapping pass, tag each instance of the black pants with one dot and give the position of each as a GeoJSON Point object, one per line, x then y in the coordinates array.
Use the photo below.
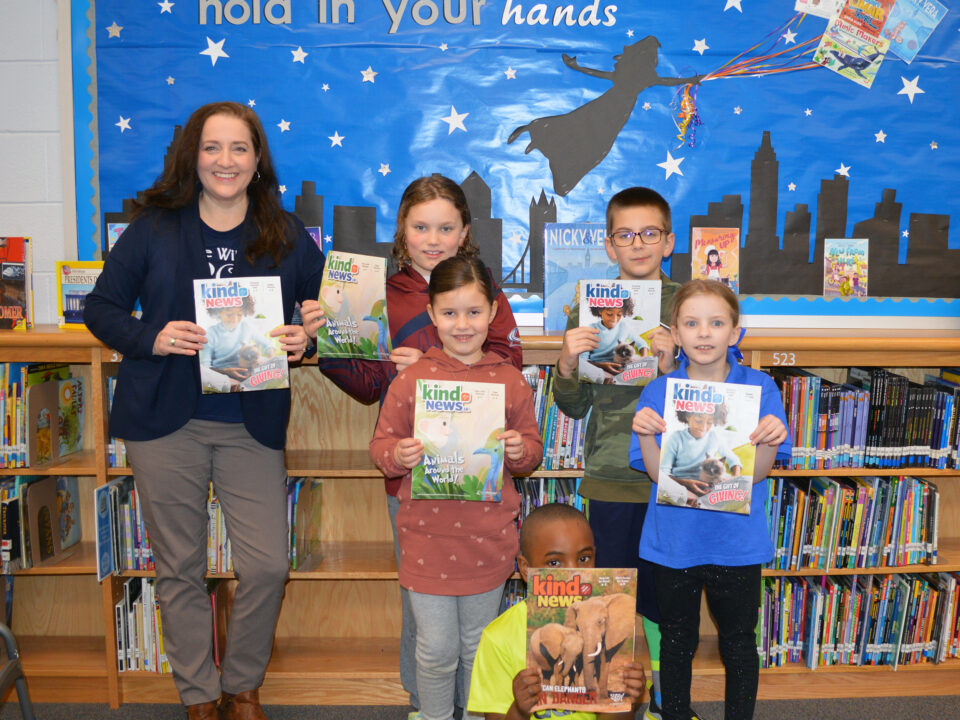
{"type": "Point", "coordinates": [733, 596]}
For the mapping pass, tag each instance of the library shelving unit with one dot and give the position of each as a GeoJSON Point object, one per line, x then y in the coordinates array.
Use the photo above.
{"type": "Point", "coordinates": [337, 638]}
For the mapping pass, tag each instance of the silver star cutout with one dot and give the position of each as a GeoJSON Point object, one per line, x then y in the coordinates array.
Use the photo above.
{"type": "Point", "coordinates": [737, 110]}
{"type": "Point", "coordinates": [299, 55]}
{"type": "Point", "coordinates": [510, 73]}
{"type": "Point", "coordinates": [671, 165]}
{"type": "Point", "coordinates": [336, 139]}
{"type": "Point", "coordinates": [284, 125]}
{"type": "Point", "coordinates": [124, 124]}
{"type": "Point", "coordinates": [325, 87]}
{"type": "Point", "coordinates": [165, 7]}
{"type": "Point", "coordinates": [843, 170]}
{"type": "Point", "coordinates": [114, 30]}
{"type": "Point", "coordinates": [881, 136]}
{"type": "Point", "coordinates": [214, 51]}
{"type": "Point", "coordinates": [910, 88]}
{"type": "Point", "coordinates": [699, 46]}
{"type": "Point", "coordinates": [170, 80]}
{"type": "Point", "coordinates": [455, 120]}
{"type": "Point", "coordinates": [384, 169]}
{"type": "Point", "coordinates": [369, 74]}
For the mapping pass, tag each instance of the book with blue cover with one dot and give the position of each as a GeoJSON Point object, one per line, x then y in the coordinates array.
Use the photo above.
{"type": "Point", "coordinates": [571, 253]}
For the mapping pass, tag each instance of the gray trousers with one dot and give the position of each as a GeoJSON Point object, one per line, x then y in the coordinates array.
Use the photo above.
{"type": "Point", "coordinates": [172, 474]}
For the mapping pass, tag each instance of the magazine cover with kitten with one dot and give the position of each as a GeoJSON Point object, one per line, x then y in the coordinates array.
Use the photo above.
{"type": "Point", "coordinates": [458, 424]}
{"type": "Point", "coordinates": [238, 315]}
{"type": "Point", "coordinates": [580, 634]}
{"type": "Point", "coordinates": [625, 312]}
{"type": "Point", "coordinates": [706, 458]}
{"type": "Point", "coordinates": [353, 295]}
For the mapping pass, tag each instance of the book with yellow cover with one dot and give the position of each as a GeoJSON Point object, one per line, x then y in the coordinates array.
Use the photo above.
{"type": "Point", "coordinates": [75, 280]}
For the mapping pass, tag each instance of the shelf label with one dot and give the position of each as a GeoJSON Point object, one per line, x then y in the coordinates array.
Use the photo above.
{"type": "Point", "coordinates": [784, 359]}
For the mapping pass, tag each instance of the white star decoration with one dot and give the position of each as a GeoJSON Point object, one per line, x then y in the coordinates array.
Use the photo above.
{"type": "Point", "coordinates": [732, 4]}
{"type": "Point", "coordinates": [124, 124]}
{"type": "Point", "coordinates": [629, 33]}
{"type": "Point", "coordinates": [934, 145]}
{"type": "Point", "coordinates": [791, 187]}
{"type": "Point", "coordinates": [282, 189]}
{"type": "Point", "coordinates": [299, 55]}
{"type": "Point", "coordinates": [284, 125]}
{"type": "Point", "coordinates": [170, 80]}
{"type": "Point", "coordinates": [906, 233]}
{"type": "Point", "coordinates": [647, 106]}
{"type": "Point", "coordinates": [789, 37]}
{"type": "Point", "coordinates": [114, 30]}
{"type": "Point", "coordinates": [737, 110]}
{"type": "Point", "coordinates": [214, 50]}
{"type": "Point", "coordinates": [700, 45]}
{"type": "Point", "coordinates": [336, 139]}
{"type": "Point", "coordinates": [328, 239]}
{"type": "Point", "coordinates": [369, 74]}
{"type": "Point", "coordinates": [455, 120]}
{"type": "Point", "coordinates": [881, 136]}
{"type": "Point", "coordinates": [443, 47]}
{"type": "Point", "coordinates": [807, 112]}
{"type": "Point", "coordinates": [910, 88]}
{"type": "Point", "coordinates": [510, 73]}
{"type": "Point", "coordinates": [325, 87]}
{"type": "Point", "coordinates": [671, 165]}
{"type": "Point", "coordinates": [251, 102]}
{"type": "Point", "coordinates": [843, 170]}
{"type": "Point", "coordinates": [384, 169]}
{"type": "Point", "coordinates": [165, 7]}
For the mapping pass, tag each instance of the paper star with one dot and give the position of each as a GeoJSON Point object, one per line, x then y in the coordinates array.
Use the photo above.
{"type": "Point", "coordinates": [737, 110]}
{"type": "Point", "coordinates": [906, 233]}
{"type": "Point", "coordinates": [165, 7]}
{"type": "Point", "coordinates": [284, 125]}
{"type": "Point", "coordinates": [881, 136]}
{"type": "Point", "coordinates": [807, 112]}
{"type": "Point", "coordinates": [384, 169]}
{"type": "Point", "coordinates": [629, 33]}
{"type": "Point", "coordinates": [170, 80]}
{"type": "Point", "coordinates": [328, 239]}
{"type": "Point", "coordinates": [368, 74]}
{"type": "Point", "coordinates": [114, 30]}
{"type": "Point", "coordinates": [791, 187]}
{"type": "Point", "coordinates": [282, 189]}
{"type": "Point", "coordinates": [732, 4]}
{"type": "Point", "coordinates": [443, 47]}
{"type": "Point", "coordinates": [933, 145]}
{"type": "Point", "coordinates": [647, 106]}
{"type": "Point", "coordinates": [599, 191]}
{"type": "Point", "coordinates": [299, 55]}
{"type": "Point", "coordinates": [214, 50]}
{"type": "Point", "coordinates": [455, 120]}
{"type": "Point", "coordinates": [790, 37]}
{"type": "Point", "coordinates": [510, 73]}
{"type": "Point", "coordinates": [910, 88]}
{"type": "Point", "coordinates": [325, 87]}
{"type": "Point", "coordinates": [843, 170]}
{"type": "Point", "coordinates": [124, 124]}
{"type": "Point", "coordinates": [336, 139]}
{"type": "Point", "coordinates": [671, 165]}
{"type": "Point", "coordinates": [251, 102]}
{"type": "Point", "coordinates": [700, 45]}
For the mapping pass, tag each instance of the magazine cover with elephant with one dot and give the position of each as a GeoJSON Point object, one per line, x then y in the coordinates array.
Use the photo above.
{"type": "Point", "coordinates": [706, 458]}
{"type": "Point", "coordinates": [353, 295]}
{"type": "Point", "coordinates": [238, 315]}
{"type": "Point", "coordinates": [459, 424]}
{"type": "Point", "coordinates": [625, 312]}
{"type": "Point", "coordinates": [580, 634]}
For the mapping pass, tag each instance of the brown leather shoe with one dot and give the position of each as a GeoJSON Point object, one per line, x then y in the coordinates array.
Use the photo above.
{"type": "Point", "coordinates": [242, 706]}
{"type": "Point", "coordinates": [203, 711]}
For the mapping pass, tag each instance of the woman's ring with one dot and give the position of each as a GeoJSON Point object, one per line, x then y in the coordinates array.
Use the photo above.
{"type": "Point", "coordinates": [173, 341]}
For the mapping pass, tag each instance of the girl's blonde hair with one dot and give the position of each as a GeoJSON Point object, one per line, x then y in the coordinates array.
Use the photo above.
{"type": "Point", "coordinates": [423, 190]}
{"type": "Point", "coordinates": [705, 287]}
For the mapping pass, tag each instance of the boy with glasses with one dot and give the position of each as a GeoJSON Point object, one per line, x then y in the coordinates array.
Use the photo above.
{"type": "Point", "coordinates": [639, 238]}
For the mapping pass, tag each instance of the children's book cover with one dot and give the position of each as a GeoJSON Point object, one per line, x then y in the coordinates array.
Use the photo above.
{"type": "Point", "coordinates": [68, 510]}
{"type": "Point", "coordinates": [43, 522]}
{"type": "Point", "coordinates": [75, 280]}
{"type": "Point", "coordinates": [706, 458]}
{"type": "Point", "coordinates": [353, 295]}
{"type": "Point", "coordinates": [845, 263]}
{"type": "Point", "coordinates": [626, 312]}
{"type": "Point", "coordinates": [910, 23]}
{"type": "Point", "coordinates": [43, 423]}
{"type": "Point", "coordinates": [13, 282]}
{"type": "Point", "coordinates": [238, 315]}
{"type": "Point", "coordinates": [70, 419]}
{"type": "Point", "coordinates": [865, 18]}
{"type": "Point", "coordinates": [114, 231]}
{"type": "Point", "coordinates": [820, 8]}
{"type": "Point", "coordinates": [459, 424]}
{"type": "Point", "coordinates": [715, 255]}
{"type": "Point", "coordinates": [571, 251]}
{"type": "Point", "coordinates": [308, 547]}
{"type": "Point", "coordinates": [581, 630]}
{"type": "Point", "coordinates": [851, 51]}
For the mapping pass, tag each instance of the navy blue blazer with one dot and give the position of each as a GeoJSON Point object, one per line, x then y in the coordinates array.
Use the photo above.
{"type": "Point", "coordinates": [156, 260]}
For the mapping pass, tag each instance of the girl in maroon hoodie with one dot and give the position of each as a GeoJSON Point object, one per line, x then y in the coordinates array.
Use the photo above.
{"type": "Point", "coordinates": [455, 555]}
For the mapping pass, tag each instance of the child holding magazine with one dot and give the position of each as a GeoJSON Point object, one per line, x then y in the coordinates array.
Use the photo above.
{"type": "Point", "coordinates": [696, 549]}
{"type": "Point", "coordinates": [455, 584]}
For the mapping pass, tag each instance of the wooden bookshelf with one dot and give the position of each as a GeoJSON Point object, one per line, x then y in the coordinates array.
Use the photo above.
{"type": "Point", "coordinates": [337, 638]}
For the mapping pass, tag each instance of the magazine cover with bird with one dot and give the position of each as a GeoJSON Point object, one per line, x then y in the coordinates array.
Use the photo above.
{"type": "Point", "coordinates": [459, 424]}
{"type": "Point", "coordinates": [580, 634]}
{"type": "Point", "coordinates": [353, 295]}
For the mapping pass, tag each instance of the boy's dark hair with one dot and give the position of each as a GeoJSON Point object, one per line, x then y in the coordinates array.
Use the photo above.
{"type": "Point", "coordinates": [458, 271]}
{"type": "Point", "coordinates": [639, 197]}
{"type": "Point", "coordinates": [627, 308]}
{"type": "Point", "coordinates": [538, 517]}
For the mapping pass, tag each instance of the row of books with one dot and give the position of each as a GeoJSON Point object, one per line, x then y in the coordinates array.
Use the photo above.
{"type": "Point", "coordinates": [562, 435]}
{"type": "Point", "coordinates": [39, 520]}
{"type": "Point", "coordinates": [139, 628]}
{"type": "Point", "coordinates": [116, 449]}
{"type": "Point", "coordinates": [876, 419]}
{"type": "Point", "coordinates": [856, 522]}
{"type": "Point", "coordinates": [859, 620]}
{"type": "Point", "coordinates": [537, 491]}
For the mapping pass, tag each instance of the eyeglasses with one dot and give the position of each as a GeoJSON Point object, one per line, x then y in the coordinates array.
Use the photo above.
{"type": "Point", "coordinates": [648, 236]}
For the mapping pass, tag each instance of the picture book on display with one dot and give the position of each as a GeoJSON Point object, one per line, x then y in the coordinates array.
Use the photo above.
{"type": "Point", "coordinates": [715, 255]}
{"type": "Point", "coordinates": [820, 8]}
{"type": "Point", "coordinates": [75, 279]}
{"type": "Point", "coordinates": [910, 24]}
{"type": "Point", "coordinates": [15, 289]}
{"type": "Point", "coordinates": [572, 251]}
{"type": "Point", "coordinates": [706, 458]}
{"type": "Point", "coordinates": [459, 424]}
{"type": "Point", "coordinates": [71, 412]}
{"type": "Point", "coordinates": [845, 262]}
{"type": "Point", "coordinates": [238, 315]}
{"type": "Point", "coordinates": [852, 44]}
{"type": "Point", "coordinates": [625, 312]}
{"type": "Point", "coordinates": [580, 634]}
{"type": "Point", "coordinates": [353, 295]}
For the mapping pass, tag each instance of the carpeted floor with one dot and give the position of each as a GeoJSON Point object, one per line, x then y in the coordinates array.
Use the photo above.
{"type": "Point", "coordinates": [921, 708]}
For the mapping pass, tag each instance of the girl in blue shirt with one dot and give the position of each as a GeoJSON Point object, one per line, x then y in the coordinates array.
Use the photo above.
{"type": "Point", "coordinates": [696, 549]}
